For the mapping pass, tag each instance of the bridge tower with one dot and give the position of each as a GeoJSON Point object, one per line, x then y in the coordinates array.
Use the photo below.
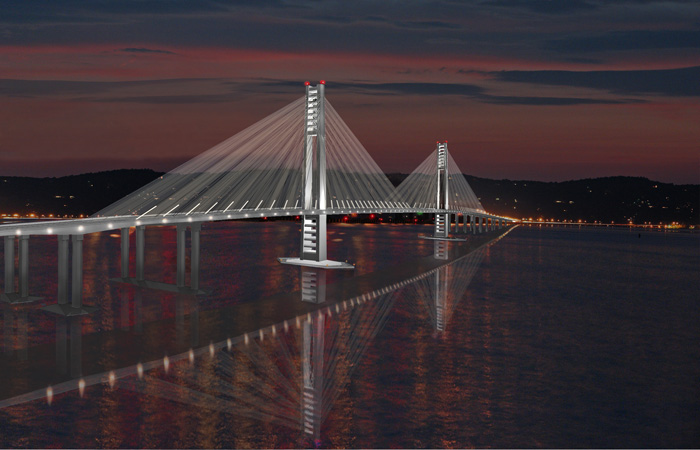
{"type": "Point", "coordinates": [442, 201]}
{"type": "Point", "coordinates": [442, 220]}
{"type": "Point", "coordinates": [313, 242]}
{"type": "Point", "coordinates": [313, 251]}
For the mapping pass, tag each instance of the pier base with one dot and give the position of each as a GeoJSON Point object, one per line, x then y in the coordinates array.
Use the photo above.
{"type": "Point", "coordinates": [69, 310]}
{"type": "Point", "coordinates": [186, 290]}
{"type": "Point", "coordinates": [325, 264]}
{"type": "Point", "coordinates": [15, 298]}
{"type": "Point", "coordinates": [436, 238]}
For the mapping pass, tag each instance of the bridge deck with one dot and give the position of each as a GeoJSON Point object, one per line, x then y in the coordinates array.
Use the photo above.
{"type": "Point", "coordinates": [98, 224]}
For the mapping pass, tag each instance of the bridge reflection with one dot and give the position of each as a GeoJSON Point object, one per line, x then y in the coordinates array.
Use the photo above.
{"type": "Point", "coordinates": [289, 371]}
{"type": "Point", "coordinates": [291, 374]}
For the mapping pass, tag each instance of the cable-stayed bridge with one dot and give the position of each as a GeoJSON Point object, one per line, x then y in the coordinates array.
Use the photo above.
{"type": "Point", "coordinates": [302, 160]}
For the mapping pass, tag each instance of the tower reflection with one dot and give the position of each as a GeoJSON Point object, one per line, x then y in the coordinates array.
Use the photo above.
{"type": "Point", "coordinates": [292, 373]}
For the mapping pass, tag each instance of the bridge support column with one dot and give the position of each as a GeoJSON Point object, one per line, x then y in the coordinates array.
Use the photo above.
{"type": "Point", "coordinates": [77, 272]}
{"type": "Point", "coordinates": [62, 295]}
{"type": "Point", "coordinates": [181, 241]}
{"type": "Point", "coordinates": [23, 266]}
{"type": "Point", "coordinates": [76, 307]}
{"type": "Point", "coordinates": [442, 223]}
{"type": "Point", "coordinates": [125, 252]}
{"type": "Point", "coordinates": [194, 255]}
{"type": "Point", "coordinates": [9, 265]}
{"type": "Point", "coordinates": [17, 293]}
{"type": "Point", "coordinates": [313, 242]}
{"type": "Point", "coordinates": [140, 252]}
{"type": "Point", "coordinates": [180, 284]}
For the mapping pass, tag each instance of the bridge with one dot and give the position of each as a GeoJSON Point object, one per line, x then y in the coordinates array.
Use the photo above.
{"type": "Point", "coordinates": [259, 172]}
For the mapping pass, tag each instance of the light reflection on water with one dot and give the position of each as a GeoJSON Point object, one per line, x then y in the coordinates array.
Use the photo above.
{"type": "Point", "coordinates": [549, 337]}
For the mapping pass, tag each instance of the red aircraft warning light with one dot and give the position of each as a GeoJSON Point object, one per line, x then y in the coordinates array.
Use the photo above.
{"type": "Point", "coordinates": [322, 81]}
{"type": "Point", "coordinates": [306, 83]}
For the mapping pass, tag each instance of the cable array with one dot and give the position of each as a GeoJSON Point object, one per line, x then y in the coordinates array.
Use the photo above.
{"type": "Point", "coordinates": [260, 168]}
{"type": "Point", "coordinates": [419, 189]}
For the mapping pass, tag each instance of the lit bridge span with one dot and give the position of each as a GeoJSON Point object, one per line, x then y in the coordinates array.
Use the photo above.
{"type": "Point", "coordinates": [302, 160]}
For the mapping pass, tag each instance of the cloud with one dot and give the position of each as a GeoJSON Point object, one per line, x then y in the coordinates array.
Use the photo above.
{"type": "Point", "coordinates": [545, 6]}
{"type": "Point", "coordinates": [182, 91]}
{"type": "Point", "coordinates": [171, 99]}
{"type": "Point", "coordinates": [682, 82]}
{"type": "Point", "coordinates": [553, 101]}
{"type": "Point", "coordinates": [42, 88]}
{"type": "Point", "coordinates": [467, 90]}
{"type": "Point", "coordinates": [145, 50]}
{"type": "Point", "coordinates": [626, 40]}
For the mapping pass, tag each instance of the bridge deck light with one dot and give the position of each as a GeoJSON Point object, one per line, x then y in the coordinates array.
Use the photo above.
{"type": "Point", "coordinates": [81, 228]}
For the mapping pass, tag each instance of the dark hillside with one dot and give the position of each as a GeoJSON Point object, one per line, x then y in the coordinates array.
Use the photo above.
{"type": "Point", "coordinates": [71, 195]}
{"type": "Point", "coordinates": [611, 199]}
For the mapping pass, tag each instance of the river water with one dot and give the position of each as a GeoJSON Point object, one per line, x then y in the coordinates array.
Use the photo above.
{"type": "Point", "coordinates": [544, 337]}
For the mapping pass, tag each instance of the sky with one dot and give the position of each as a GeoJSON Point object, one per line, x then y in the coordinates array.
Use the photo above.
{"type": "Point", "coordinates": [546, 90]}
